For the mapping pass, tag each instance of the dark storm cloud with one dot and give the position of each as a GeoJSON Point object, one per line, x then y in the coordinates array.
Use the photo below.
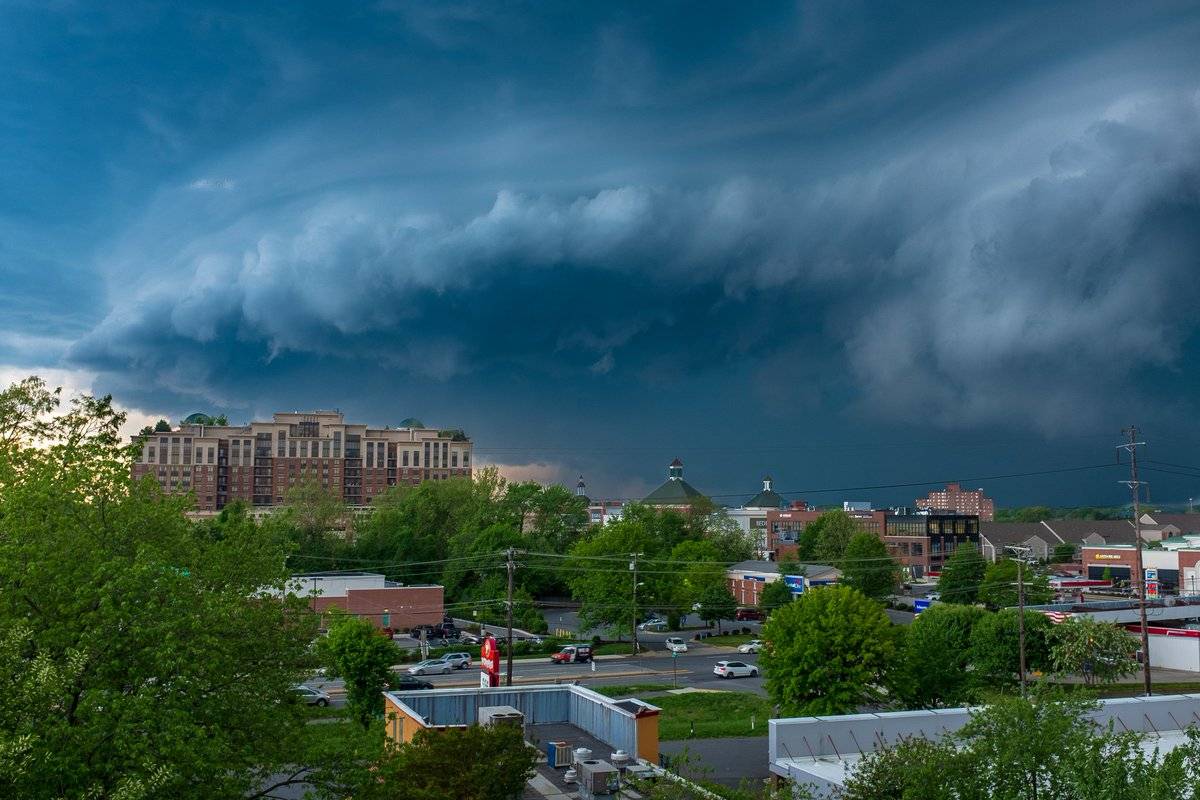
{"type": "Point", "coordinates": [629, 221]}
{"type": "Point", "coordinates": [952, 288]}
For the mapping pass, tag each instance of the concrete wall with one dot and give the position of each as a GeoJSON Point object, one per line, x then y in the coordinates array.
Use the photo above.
{"type": "Point", "coordinates": [1176, 652]}
{"type": "Point", "coordinates": [806, 738]}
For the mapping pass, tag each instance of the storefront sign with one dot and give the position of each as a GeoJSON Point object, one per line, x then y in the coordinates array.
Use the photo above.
{"type": "Point", "coordinates": [489, 663]}
{"type": "Point", "coordinates": [1107, 557]}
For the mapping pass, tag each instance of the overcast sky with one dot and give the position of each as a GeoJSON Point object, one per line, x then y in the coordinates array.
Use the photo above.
{"type": "Point", "coordinates": [847, 244]}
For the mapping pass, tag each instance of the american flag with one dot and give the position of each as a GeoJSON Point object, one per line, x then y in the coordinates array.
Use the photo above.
{"type": "Point", "coordinates": [1057, 617]}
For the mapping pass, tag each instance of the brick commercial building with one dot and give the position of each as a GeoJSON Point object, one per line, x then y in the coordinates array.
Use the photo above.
{"type": "Point", "coordinates": [260, 461]}
{"type": "Point", "coordinates": [920, 543]}
{"type": "Point", "coordinates": [369, 595]}
{"type": "Point", "coordinates": [958, 500]}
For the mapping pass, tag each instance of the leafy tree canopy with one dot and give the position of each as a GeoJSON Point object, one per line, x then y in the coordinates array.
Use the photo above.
{"type": "Point", "coordinates": [827, 652]}
{"type": "Point", "coordinates": [995, 652]}
{"type": "Point", "coordinates": [999, 588]}
{"type": "Point", "coordinates": [868, 567]}
{"type": "Point", "coordinates": [962, 575]}
{"type": "Point", "coordinates": [1099, 651]}
{"type": "Point", "coordinates": [355, 651]}
{"type": "Point", "coordinates": [774, 595]}
{"type": "Point", "coordinates": [470, 763]}
{"type": "Point", "coordinates": [933, 668]}
{"type": "Point", "coordinates": [146, 656]}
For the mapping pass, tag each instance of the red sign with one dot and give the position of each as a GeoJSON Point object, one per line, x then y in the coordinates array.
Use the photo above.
{"type": "Point", "coordinates": [489, 663]}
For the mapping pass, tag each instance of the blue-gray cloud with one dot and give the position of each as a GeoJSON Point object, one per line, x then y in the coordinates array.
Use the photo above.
{"type": "Point", "coordinates": [976, 219]}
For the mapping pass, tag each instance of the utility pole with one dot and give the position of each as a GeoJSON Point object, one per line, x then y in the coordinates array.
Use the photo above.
{"type": "Point", "coordinates": [509, 657]}
{"type": "Point", "coordinates": [1139, 576]}
{"type": "Point", "coordinates": [633, 568]}
{"type": "Point", "coordinates": [1020, 552]}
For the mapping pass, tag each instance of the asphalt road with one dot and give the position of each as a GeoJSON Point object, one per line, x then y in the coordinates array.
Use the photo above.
{"type": "Point", "coordinates": [693, 668]}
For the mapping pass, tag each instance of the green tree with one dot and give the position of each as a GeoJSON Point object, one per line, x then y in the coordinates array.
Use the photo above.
{"type": "Point", "coordinates": [825, 540]}
{"type": "Point", "coordinates": [1064, 553]}
{"type": "Point", "coordinates": [913, 768]}
{"type": "Point", "coordinates": [355, 651]}
{"type": "Point", "coordinates": [868, 567]}
{"type": "Point", "coordinates": [716, 604]}
{"type": "Point", "coordinates": [162, 426]}
{"type": "Point", "coordinates": [1099, 651]}
{"type": "Point", "coordinates": [774, 595]}
{"type": "Point", "coordinates": [933, 668]}
{"type": "Point", "coordinates": [143, 656]}
{"type": "Point", "coordinates": [601, 580]}
{"type": "Point", "coordinates": [1041, 748]}
{"type": "Point", "coordinates": [827, 652]}
{"type": "Point", "coordinates": [999, 588]}
{"type": "Point", "coordinates": [962, 574]}
{"type": "Point", "coordinates": [428, 767]}
{"type": "Point", "coordinates": [995, 652]}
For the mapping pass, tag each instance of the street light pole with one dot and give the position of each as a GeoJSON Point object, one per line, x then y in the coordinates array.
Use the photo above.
{"type": "Point", "coordinates": [509, 657]}
{"type": "Point", "coordinates": [633, 568]}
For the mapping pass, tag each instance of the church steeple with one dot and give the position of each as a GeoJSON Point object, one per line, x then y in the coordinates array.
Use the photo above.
{"type": "Point", "coordinates": [675, 471]}
{"type": "Point", "coordinates": [580, 488]}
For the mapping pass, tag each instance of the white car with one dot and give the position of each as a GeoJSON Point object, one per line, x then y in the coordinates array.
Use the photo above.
{"type": "Point", "coordinates": [752, 646]}
{"type": "Point", "coordinates": [676, 645]}
{"type": "Point", "coordinates": [735, 669]}
{"type": "Point", "coordinates": [653, 625]}
{"type": "Point", "coordinates": [432, 666]}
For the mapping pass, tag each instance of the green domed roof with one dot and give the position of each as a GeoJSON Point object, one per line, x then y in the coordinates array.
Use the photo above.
{"type": "Point", "coordinates": [411, 422]}
{"type": "Point", "coordinates": [198, 418]}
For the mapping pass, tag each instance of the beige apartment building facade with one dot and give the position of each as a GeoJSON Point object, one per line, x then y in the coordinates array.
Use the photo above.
{"type": "Point", "coordinates": [956, 499]}
{"type": "Point", "coordinates": [261, 461]}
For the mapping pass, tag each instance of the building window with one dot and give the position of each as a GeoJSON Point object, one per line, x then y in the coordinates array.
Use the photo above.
{"type": "Point", "coordinates": [454, 459]}
{"type": "Point", "coordinates": [370, 454]}
{"type": "Point", "coordinates": [292, 448]}
{"type": "Point", "coordinates": [427, 454]}
{"type": "Point", "coordinates": [445, 453]}
{"type": "Point", "coordinates": [150, 457]}
{"type": "Point", "coordinates": [466, 458]}
{"type": "Point", "coordinates": [324, 448]}
{"type": "Point", "coordinates": [337, 444]}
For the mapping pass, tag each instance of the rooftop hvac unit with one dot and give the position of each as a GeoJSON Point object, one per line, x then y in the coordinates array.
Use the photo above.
{"type": "Point", "coordinates": [501, 715]}
{"type": "Point", "coordinates": [597, 779]}
{"type": "Point", "coordinates": [558, 754]}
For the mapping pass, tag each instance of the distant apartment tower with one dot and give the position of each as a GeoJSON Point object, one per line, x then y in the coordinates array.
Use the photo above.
{"type": "Point", "coordinates": [956, 499]}
{"type": "Point", "coordinates": [260, 461]}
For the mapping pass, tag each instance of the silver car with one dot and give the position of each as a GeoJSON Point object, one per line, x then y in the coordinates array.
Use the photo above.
{"type": "Point", "coordinates": [432, 666]}
{"type": "Point", "coordinates": [459, 660]}
{"type": "Point", "coordinates": [311, 696]}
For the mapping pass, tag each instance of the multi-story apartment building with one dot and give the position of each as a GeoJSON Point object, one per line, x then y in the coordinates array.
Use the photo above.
{"type": "Point", "coordinates": [958, 500]}
{"type": "Point", "coordinates": [260, 461]}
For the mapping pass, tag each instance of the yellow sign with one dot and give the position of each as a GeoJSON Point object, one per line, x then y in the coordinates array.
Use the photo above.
{"type": "Point", "coordinates": [1108, 556]}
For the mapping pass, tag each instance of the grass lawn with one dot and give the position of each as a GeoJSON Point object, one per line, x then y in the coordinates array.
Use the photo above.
{"type": "Point", "coordinates": [615, 649]}
{"type": "Point", "coordinates": [714, 714]}
{"type": "Point", "coordinates": [630, 689]}
{"type": "Point", "coordinates": [728, 640]}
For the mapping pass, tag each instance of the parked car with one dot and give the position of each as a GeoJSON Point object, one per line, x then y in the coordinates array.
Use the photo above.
{"type": "Point", "coordinates": [749, 615]}
{"type": "Point", "coordinates": [735, 669]}
{"type": "Point", "coordinates": [573, 653]}
{"type": "Point", "coordinates": [431, 666]}
{"type": "Point", "coordinates": [408, 683]}
{"type": "Point", "coordinates": [469, 638]}
{"type": "Point", "coordinates": [653, 625]}
{"type": "Point", "coordinates": [676, 645]}
{"type": "Point", "coordinates": [752, 646]}
{"type": "Point", "coordinates": [444, 630]}
{"type": "Point", "coordinates": [459, 660]}
{"type": "Point", "coordinates": [311, 696]}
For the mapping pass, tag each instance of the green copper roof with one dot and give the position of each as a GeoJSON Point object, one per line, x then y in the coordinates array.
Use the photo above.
{"type": "Point", "coordinates": [767, 499]}
{"type": "Point", "coordinates": [675, 491]}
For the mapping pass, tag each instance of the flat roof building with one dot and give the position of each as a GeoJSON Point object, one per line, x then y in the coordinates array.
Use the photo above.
{"type": "Point", "coordinates": [260, 461]}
